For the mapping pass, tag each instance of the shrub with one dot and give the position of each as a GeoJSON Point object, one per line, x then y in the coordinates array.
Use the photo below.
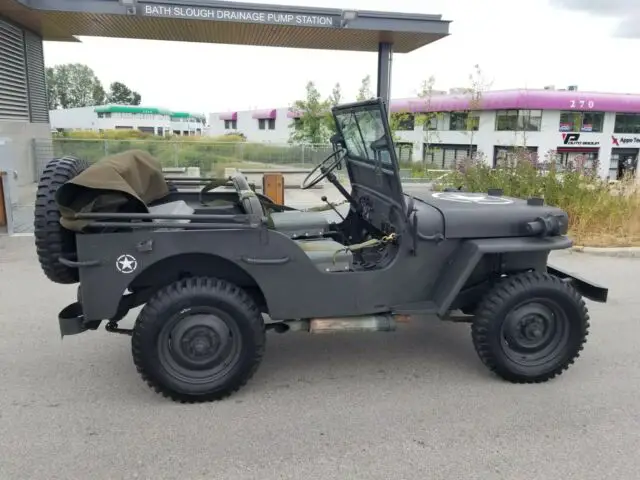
{"type": "Point", "coordinates": [600, 213]}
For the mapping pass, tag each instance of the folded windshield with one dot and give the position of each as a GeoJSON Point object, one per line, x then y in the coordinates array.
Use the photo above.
{"type": "Point", "coordinates": [364, 133]}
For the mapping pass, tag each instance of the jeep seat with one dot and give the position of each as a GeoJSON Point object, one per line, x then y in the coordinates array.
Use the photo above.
{"type": "Point", "coordinates": [298, 224]}
{"type": "Point", "coordinates": [327, 255]}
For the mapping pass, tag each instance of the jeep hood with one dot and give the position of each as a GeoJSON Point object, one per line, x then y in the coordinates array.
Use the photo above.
{"type": "Point", "coordinates": [478, 215]}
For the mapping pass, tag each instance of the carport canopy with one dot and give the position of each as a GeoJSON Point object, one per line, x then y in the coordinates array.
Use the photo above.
{"type": "Point", "coordinates": [233, 23]}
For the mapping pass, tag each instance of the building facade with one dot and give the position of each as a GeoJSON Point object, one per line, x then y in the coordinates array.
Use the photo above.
{"type": "Point", "coordinates": [567, 127]}
{"type": "Point", "coordinates": [153, 120]}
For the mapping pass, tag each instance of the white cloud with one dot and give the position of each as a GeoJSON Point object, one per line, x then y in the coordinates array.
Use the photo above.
{"type": "Point", "coordinates": [625, 12]}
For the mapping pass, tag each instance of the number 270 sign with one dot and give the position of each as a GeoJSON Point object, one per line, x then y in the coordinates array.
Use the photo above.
{"type": "Point", "coordinates": [581, 104]}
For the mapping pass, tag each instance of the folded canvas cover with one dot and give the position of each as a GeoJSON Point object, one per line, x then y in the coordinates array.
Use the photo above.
{"type": "Point", "coordinates": [125, 182]}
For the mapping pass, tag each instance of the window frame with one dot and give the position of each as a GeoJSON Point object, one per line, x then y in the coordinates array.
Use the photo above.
{"type": "Point", "coordinates": [520, 118]}
{"type": "Point", "coordinates": [579, 119]}
{"type": "Point", "coordinates": [630, 127]}
{"type": "Point", "coordinates": [465, 121]}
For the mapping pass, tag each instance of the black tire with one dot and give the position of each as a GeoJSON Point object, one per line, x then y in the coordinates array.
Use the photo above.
{"type": "Point", "coordinates": [188, 370]}
{"type": "Point", "coordinates": [530, 328]}
{"type": "Point", "coordinates": [52, 239]}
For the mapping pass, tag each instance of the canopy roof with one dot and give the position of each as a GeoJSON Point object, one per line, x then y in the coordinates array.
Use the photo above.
{"type": "Point", "coordinates": [224, 22]}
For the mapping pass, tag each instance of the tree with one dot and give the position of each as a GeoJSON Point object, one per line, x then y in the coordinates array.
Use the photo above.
{"type": "Point", "coordinates": [364, 92]}
{"type": "Point", "coordinates": [99, 95]}
{"type": "Point", "coordinates": [52, 89]}
{"type": "Point", "coordinates": [312, 127]}
{"type": "Point", "coordinates": [336, 95]}
{"type": "Point", "coordinates": [478, 84]}
{"type": "Point", "coordinates": [428, 119]}
{"type": "Point", "coordinates": [73, 85]}
{"type": "Point", "coordinates": [120, 94]}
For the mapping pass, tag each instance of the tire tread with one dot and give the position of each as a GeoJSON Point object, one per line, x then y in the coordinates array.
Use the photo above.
{"type": "Point", "coordinates": [151, 313]}
{"type": "Point", "coordinates": [489, 309]}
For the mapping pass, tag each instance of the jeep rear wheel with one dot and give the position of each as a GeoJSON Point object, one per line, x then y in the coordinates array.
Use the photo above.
{"type": "Point", "coordinates": [198, 340]}
{"type": "Point", "coordinates": [530, 328]}
{"type": "Point", "coordinates": [52, 239]}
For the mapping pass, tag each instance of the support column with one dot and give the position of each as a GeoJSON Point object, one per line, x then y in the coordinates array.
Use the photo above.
{"type": "Point", "coordinates": [385, 61]}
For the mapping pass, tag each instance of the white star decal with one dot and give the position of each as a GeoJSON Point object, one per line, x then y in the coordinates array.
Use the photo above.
{"type": "Point", "coordinates": [126, 263]}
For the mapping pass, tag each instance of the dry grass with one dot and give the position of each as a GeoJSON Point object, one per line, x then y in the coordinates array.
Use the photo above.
{"type": "Point", "coordinates": [611, 217]}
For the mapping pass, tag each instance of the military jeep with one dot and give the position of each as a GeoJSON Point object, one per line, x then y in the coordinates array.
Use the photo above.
{"type": "Point", "coordinates": [216, 269]}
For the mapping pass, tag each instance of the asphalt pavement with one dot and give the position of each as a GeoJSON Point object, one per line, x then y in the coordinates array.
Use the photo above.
{"type": "Point", "coordinates": [414, 404]}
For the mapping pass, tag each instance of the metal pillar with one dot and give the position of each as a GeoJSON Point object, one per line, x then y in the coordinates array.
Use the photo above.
{"type": "Point", "coordinates": [385, 60]}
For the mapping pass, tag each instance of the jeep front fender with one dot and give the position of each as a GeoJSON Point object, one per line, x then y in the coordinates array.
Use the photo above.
{"type": "Point", "coordinates": [464, 260]}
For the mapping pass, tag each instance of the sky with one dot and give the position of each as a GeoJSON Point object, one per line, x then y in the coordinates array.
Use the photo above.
{"type": "Point", "coordinates": [517, 43]}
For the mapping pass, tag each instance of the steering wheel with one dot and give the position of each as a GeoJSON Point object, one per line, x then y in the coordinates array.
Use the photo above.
{"type": "Point", "coordinates": [250, 201]}
{"type": "Point", "coordinates": [327, 166]}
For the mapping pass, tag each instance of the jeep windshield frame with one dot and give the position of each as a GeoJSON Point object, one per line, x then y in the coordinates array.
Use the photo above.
{"type": "Point", "coordinates": [370, 156]}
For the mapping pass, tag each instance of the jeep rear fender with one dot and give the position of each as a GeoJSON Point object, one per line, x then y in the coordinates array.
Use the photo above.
{"type": "Point", "coordinates": [108, 303]}
{"type": "Point", "coordinates": [464, 261]}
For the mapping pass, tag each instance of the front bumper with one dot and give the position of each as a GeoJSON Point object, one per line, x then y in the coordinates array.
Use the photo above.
{"type": "Point", "coordinates": [587, 289]}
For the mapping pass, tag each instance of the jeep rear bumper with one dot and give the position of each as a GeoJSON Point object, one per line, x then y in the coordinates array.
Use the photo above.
{"type": "Point", "coordinates": [72, 321]}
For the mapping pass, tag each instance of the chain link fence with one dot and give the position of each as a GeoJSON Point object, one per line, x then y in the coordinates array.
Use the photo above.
{"type": "Point", "coordinates": [211, 157]}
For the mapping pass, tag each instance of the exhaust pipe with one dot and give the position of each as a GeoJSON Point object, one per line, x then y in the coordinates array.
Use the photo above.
{"type": "Point", "coordinates": [363, 323]}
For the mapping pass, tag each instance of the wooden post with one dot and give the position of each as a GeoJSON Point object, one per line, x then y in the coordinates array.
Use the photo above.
{"type": "Point", "coordinates": [273, 187]}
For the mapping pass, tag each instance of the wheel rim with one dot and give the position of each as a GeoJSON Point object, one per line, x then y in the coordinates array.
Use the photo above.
{"type": "Point", "coordinates": [535, 332]}
{"type": "Point", "coordinates": [199, 346]}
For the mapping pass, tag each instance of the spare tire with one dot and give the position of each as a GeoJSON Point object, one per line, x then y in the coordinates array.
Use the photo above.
{"type": "Point", "coordinates": [52, 239]}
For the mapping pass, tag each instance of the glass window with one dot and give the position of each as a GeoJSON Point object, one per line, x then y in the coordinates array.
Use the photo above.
{"type": "Point", "coordinates": [404, 121]}
{"type": "Point", "coordinates": [272, 124]}
{"type": "Point", "coordinates": [261, 123]}
{"type": "Point", "coordinates": [509, 156]}
{"type": "Point", "coordinates": [519, 120]}
{"type": "Point", "coordinates": [575, 160]}
{"type": "Point", "coordinates": [463, 121]}
{"type": "Point", "coordinates": [230, 124]}
{"type": "Point", "coordinates": [627, 123]}
{"type": "Point", "coordinates": [507, 120]}
{"type": "Point", "coordinates": [431, 121]}
{"type": "Point", "coordinates": [530, 120]}
{"type": "Point", "coordinates": [572, 121]}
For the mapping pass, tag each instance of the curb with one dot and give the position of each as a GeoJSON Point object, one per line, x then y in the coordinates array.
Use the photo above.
{"type": "Point", "coordinates": [625, 252]}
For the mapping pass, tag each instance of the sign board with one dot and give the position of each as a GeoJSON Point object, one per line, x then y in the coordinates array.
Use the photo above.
{"type": "Point", "coordinates": [267, 17]}
{"type": "Point", "coordinates": [575, 139]}
{"type": "Point", "coordinates": [617, 141]}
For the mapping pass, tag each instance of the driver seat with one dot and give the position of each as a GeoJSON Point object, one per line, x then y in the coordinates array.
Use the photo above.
{"type": "Point", "coordinates": [299, 224]}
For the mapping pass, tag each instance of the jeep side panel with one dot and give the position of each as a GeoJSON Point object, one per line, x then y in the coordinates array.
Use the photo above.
{"type": "Point", "coordinates": [292, 285]}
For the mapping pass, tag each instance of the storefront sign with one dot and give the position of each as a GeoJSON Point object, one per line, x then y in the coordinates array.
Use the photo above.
{"type": "Point", "coordinates": [617, 141]}
{"type": "Point", "coordinates": [268, 17]}
{"type": "Point", "coordinates": [574, 139]}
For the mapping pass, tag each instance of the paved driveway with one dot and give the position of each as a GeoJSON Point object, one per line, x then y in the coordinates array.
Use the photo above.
{"type": "Point", "coordinates": [415, 404]}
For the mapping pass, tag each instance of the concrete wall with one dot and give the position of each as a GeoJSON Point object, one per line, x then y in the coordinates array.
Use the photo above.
{"type": "Point", "coordinates": [27, 119]}
{"type": "Point", "coordinates": [17, 154]}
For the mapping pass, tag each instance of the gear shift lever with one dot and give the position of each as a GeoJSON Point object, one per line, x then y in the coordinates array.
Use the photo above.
{"type": "Point", "coordinates": [324, 199]}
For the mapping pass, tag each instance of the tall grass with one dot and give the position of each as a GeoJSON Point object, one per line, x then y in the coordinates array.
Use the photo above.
{"type": "Point", "coordinates": [600, 213]}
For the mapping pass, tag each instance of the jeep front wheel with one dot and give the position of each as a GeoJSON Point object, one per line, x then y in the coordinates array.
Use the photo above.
{"type": "Point", "coordinates": [530, 328]}
{"type": "Point", "coordinates": [198, 340]}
